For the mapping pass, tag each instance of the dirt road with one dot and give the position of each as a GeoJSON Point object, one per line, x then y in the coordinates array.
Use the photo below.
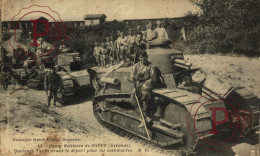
{"type": "Point", "coordinates": [24, 115]}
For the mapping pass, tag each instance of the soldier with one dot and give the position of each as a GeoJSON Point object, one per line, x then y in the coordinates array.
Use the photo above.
{"type": "Point", "coordinates": [161, 32]}
{"type": "Point", "coordinates": [5, 76]}
{"type": "Point", "coordinates": [113, 50]}
{"type": "Point", "coordinates": [138, 46]}
{"type": "Point", "coordinates": [122, 46]}
{"type": "Point", "coordinates": [130, 42]}
{"type": "Point", "coordinates": [103, 55]}
{"type": "Point", "coordinates": [96, 53]}
{"type": "Point", "coordinates": [145, 77]}
{"type": "Point", "coordinates": [186, 83]}
{"type": "Point", "coordinates": [51, 84]}
{"type": "Point", "coordinates": [149, 33]}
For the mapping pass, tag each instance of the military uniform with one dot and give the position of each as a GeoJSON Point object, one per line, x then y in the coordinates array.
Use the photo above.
{"type": "Point", "coordinates": [96, 53]}
{"type": "Point", "coordinates": [145, 77]}
{"type": "Point", "coordinates": [103, 56]}
{"type": "Point", "coordinates": [51, 84]}
{"type": "Point", "coordinates": [5, 76]}
{"type": "Point", "coordinates": [122, 46]}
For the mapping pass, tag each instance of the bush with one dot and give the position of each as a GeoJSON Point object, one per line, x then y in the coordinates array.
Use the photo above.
{"type": "Point", "coordinates": [226, 26]}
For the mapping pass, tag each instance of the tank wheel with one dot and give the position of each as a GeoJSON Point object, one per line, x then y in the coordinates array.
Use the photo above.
{"type": "Point", "coordinates": [187, 127]}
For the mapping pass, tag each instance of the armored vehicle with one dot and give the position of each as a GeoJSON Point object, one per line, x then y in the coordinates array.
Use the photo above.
{"type": "Point", "coordinates": [75, 81]}
{"type": "Point", "coordinates": [179, 114]}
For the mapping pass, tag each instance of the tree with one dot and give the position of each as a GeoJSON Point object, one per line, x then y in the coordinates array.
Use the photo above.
{"type": "Point", "coordinates": [227, 26]}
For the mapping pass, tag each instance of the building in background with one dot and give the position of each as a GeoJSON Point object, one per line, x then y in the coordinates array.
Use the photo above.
{"type": "Point", "coordinates": [26, 24]}
{"type": "Point", "coordinates": [94, 19]}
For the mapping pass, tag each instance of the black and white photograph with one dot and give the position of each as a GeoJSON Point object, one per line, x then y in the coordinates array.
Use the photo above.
{"type": "Point", "coordinates": [129, 77]}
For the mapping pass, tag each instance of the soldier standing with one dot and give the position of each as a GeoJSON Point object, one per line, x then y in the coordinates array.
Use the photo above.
{"type": "Point", "coordinates": [96, 53]}
{"type": "Point", "coordinates": [103, 53]}
{"type": "Point", "coordinates": [150, 33]}
{"type": "Point", "coordinates": [161, 32]}
{"type": "Point", "coordinates": [5, 76]}
{"type": "Point", "coordinates": [51, 84]}
{"type": "Point", "coordinates": [113, 50]}
{"type": "Point", "coordinates": [122, 46]}
{"type": "Point", "coordinates": [144, 77]}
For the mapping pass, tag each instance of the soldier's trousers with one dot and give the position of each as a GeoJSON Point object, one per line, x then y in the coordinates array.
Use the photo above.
{"type": "Point", "coordinates": [52, 94]}
{"type": "Point", "coordinates": [5, 82]}
{"type": "Point", "coordinates": [144, 98]}
{"type": "Point", "coordinates": [123, 53]}
{"type": "Point", "coordinates": [98, 60]}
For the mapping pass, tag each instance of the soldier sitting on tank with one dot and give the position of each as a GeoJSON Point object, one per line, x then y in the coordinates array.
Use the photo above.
{"type": "Point", "coordinates": [145, 78]}
{"type": "Point", "coordinates": [138, 46]}
{"type": "Point", "coordinates": [52, 82]}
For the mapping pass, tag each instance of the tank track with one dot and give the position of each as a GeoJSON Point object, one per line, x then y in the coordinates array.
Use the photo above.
{"type": "Point", "coordinates": [67, 87]}
{"type": "Point", "coordinates": [128, 135]}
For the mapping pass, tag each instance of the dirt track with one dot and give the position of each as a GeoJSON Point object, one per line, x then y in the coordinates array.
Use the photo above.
{"type": "Point", "coordinates": [24, 113]}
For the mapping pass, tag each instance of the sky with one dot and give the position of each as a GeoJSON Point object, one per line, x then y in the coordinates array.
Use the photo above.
{"type": "Point", "coordinates": [113, 9]}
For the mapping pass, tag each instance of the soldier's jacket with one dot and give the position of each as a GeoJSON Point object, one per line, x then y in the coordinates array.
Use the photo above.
{"type": "Point", "coordinates": [146, 75]}
{"type": "Point", "coordinates": [51, 80]}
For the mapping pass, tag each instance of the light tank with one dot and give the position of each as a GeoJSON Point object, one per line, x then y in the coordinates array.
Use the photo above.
{"type": "Point", "coordinates": [75, 81]}
{"type": "Point", "coordinates": [179, 115]}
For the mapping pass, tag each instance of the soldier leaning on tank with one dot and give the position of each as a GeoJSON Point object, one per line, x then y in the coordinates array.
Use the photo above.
{"type": "Point", "coordinates": [52, 82]}
{"type": "Point", "coordinates": [96, 53]}
{"type": "Point", "coordinates": [145, 78]}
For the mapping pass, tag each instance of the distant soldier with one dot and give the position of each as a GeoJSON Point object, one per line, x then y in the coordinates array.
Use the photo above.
{"type": "Point", "coordinates": [161, 32]}
{"type": "Point", "coordinates": [103, 55]}
{"type": "Point", "coordinates": [5, 76]}
{"type": "Point", "coordinates": [122, 46]}
{"type": "Point", "coordinates": [186, 83]}
{"type": "Point", "coordinates": [138, 46]}
{"type": "Point", "coordinates": [144, 77]}
{"type": "Point", "coordinates": [149, 33]}
{"type": "Point", "coordinates": [116, 50]}
{"type": "Point", "coordinates": [113, 50]}
{"type": "Point", "coordinates": [30, 35]}
{"type": "Point", "coordinates": [130, 41]}
{"type": "Point", "coordinates": [97, 54]}
{"type": "Point", "coordinates": [52, 82]}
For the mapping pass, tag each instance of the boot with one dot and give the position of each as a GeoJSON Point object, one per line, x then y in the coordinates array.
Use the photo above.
{"type": "Point", "coordinates": [49, 101]}
{"type": "Point", "coordinates": [158, 112]}
{"type": "Point", "coordinates": [54, 102]}
{"type": "Point", "coordinates": [146, 112]}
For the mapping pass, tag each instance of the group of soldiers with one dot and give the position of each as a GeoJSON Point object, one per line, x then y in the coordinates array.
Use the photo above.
{"type": "Point", "coordinates": [126, 47]}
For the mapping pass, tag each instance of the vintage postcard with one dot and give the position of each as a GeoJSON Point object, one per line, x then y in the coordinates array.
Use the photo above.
{"type": "Point", "coordinates": [129, 77]}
